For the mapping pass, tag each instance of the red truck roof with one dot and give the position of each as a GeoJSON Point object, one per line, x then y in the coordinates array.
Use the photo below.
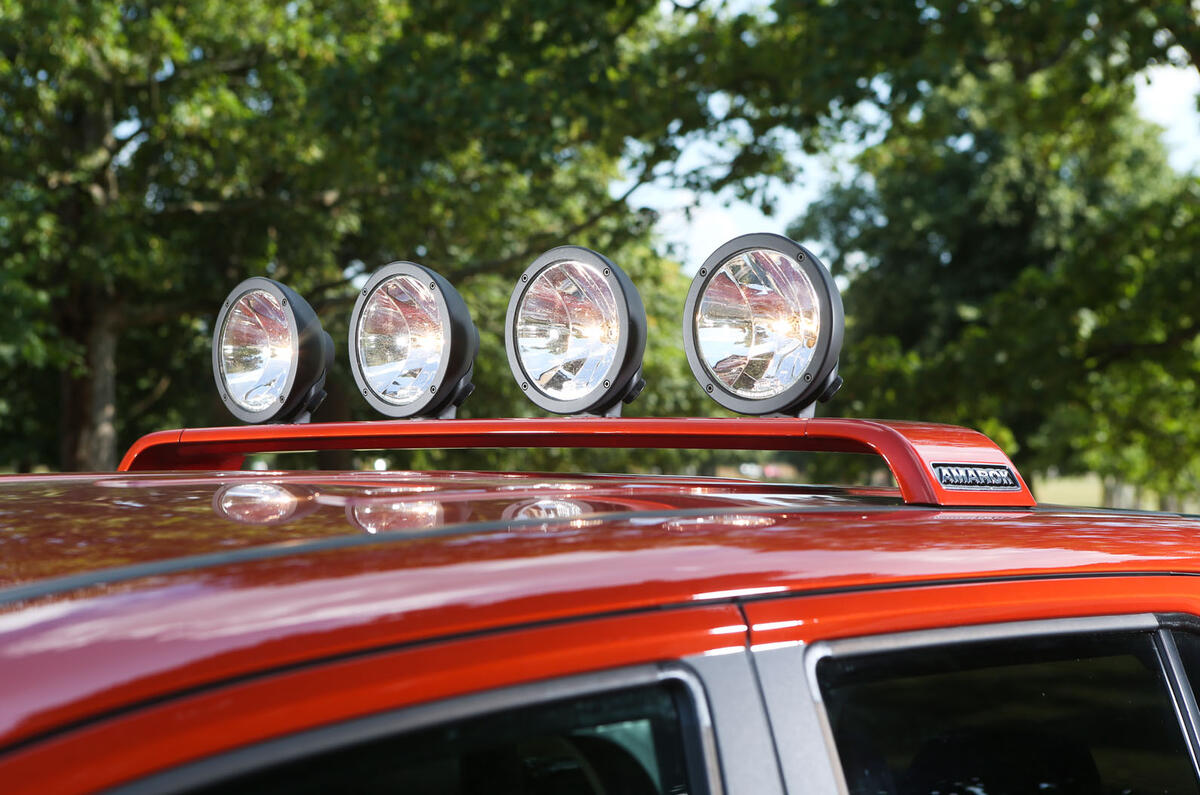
{"type": "Point", "coordinates": [141, 576]}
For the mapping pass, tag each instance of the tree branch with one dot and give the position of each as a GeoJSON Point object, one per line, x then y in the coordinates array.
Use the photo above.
{"type": "Point", "coordinates": [1025, 70]}
{"type": "Point", "coordinates": [324, 199]}
{"type": "Point", "coordinates": [156, 392]}
{"type": "Point", "coordinates": [227, 66]}
{"type": "Point", "coordinates": [536, 247]}
{"type": "Point", "coordinates": [1114, 353]}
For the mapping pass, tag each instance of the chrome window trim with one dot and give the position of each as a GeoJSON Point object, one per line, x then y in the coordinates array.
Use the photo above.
{"type": "Point", "coordinates": [902, 641]}
{"type": "Point", "coordinates": [1182, 696]}
{"type": "Point", "coordinates": [1009, 630]}
{"type": "Point", "coordinates": [214, 769]}
{"type": "Point", "coordinates": [676, 672]}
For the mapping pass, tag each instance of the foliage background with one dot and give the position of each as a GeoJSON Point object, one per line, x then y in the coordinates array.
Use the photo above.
{"type": "Point", "coordinates": [1017, 253]}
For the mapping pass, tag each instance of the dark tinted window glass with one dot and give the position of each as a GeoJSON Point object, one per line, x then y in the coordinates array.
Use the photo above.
{"type": "Point", "coordinates": [1071, 714]}
{"type": "Point", "coordinates": [628, 742]}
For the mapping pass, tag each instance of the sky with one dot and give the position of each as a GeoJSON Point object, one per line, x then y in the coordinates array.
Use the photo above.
{"type": "Point", "coordinates": [1166, 96]}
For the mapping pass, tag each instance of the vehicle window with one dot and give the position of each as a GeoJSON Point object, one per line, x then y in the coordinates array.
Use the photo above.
{"type": "Point", "coordinates": [1071, 714]}
{"type": "Point", "coordinates": [626, 742]}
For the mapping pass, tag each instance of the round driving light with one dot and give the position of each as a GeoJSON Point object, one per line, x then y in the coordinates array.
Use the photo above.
{"type": "Point", "coordinates": [575, 333]}
{"type": "Point", "coordinates": [763, 327]}
{"type": "Point", "coordinates": [412, 343]}
{"type": "Point", "coordinates": [270, 354]}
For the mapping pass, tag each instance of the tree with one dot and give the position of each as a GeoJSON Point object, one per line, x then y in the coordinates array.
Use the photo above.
{"type": "Point", "coordinates": [1027, 267]}
{"type": "Point", "coordinates": [153, 155]}
{"type": "Point", "coordinates": [814, 67]}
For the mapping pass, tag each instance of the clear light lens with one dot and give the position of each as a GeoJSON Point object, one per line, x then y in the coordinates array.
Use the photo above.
{"type": "Point", "coordinates": [567, 330]}
{"type": "Point", "coordinates": [257, 503]}
{"type": "Point", "coordinates": [757, 323]}
{"type": "Point", "coordinates": [257, 350]}
{"type": "Point", "coordinates": [400, 339]}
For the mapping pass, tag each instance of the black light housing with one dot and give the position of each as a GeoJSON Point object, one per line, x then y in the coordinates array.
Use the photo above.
{"type": "Point", "coordinates": [575, 333]}
{"type": "Point", "coordinates": [412, 343]}
{"type": "Point", "coordinates": [763, 325]}
{"type": "Point", "coordinates": [270, 355]}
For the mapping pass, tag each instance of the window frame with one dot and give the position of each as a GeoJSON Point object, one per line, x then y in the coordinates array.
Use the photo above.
{"type": "Point", "coordinates": [698, 733]}
{"type": "Point", "coordinates": [1179, 689]}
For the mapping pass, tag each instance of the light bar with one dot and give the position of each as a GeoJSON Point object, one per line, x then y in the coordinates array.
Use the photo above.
{"type": "Point", "coordinates": [412, 343]}
{"type": "Point", "coordinates": [575, 333]}
{"type": "Point", "coordinates": [763, 325]}
{"type": "Point", "coordinates": [270, 354]}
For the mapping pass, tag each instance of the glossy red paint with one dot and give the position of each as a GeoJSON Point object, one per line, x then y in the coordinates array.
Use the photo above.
{"type": "Point", "coordinates": [807, 619]}
{"type": "Point", "coordinates": [146, 637]}
{"type": "Point", "coordinates": [67, 526]}
{"type": "Point", "coordinates": [164, 735]}
{"type": "Point", "coordinates": [910, 449]}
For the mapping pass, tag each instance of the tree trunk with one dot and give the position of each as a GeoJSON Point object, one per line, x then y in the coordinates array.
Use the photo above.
{"type": "Point", "coordinates": [336, 408]}
{"type": "Point", "coordinates": [89, 433]}
{"type": "Point", "coordinates": [98, 436]}
{"type": "Point", "coordinates": [1109, 498]}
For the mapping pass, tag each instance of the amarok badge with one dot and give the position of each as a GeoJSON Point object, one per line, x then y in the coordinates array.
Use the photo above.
{"type": "Point", "coordinates": [976, 477]}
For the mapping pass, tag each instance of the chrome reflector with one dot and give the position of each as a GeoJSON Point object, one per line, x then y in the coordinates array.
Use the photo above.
{"type": "Point", "coordinates": [567, 330]}
{"type": "Point", "coordinates": [257, 351]}
{"type": "Point", "coordinates": [757, 324]}
{"type": "Point", "coordinates": [400, 339]}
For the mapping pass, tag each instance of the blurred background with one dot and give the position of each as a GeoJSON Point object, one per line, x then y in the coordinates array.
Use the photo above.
{"type": "Point", "coordinates": [1007, 192]}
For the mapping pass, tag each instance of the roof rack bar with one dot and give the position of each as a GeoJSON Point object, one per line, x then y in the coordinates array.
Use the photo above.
{"type": "Point", "coordinates": [933, 464]}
